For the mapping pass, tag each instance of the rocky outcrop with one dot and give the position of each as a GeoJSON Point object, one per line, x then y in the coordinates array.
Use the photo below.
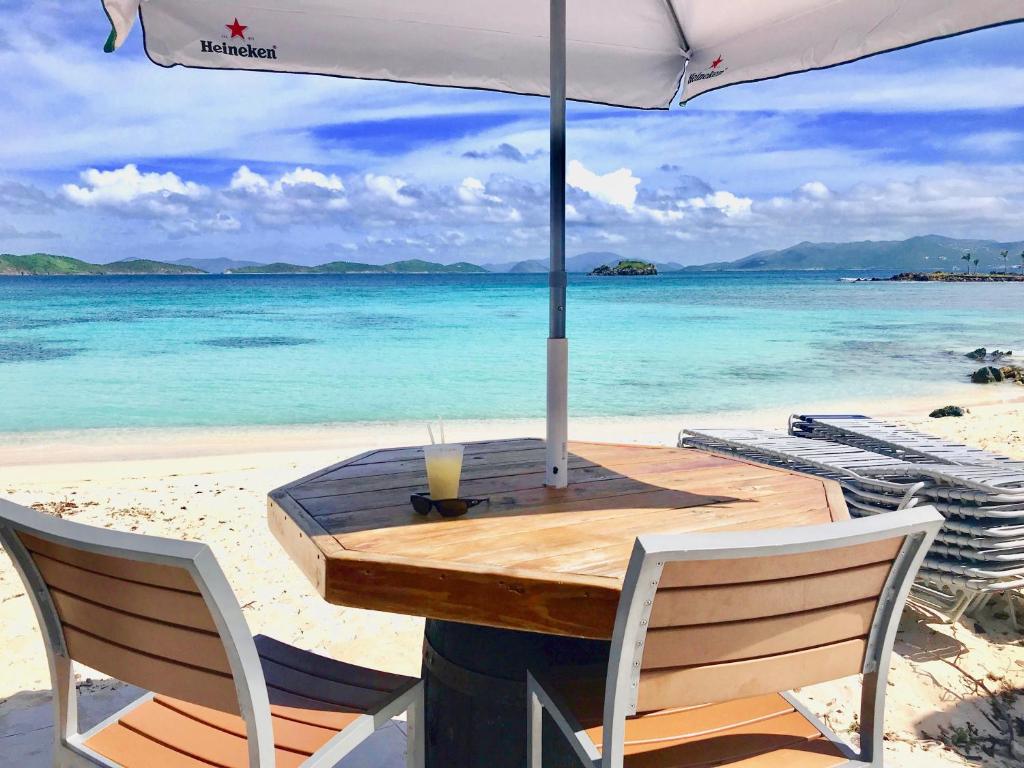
{"type": "Point", "coordinates": [981, 354]}
{"type": "Point", "coordinates": [1013, 373]}
{"type": "Point", "coordinates": [991, 374]}
{"type": "Point", "coordinates": [630, 267]}
{"type": "Point", "coordinates": [987, 375]}
{"type": "Point", "coordinates": [947, 410]}
{"type": "Point", "coordinates": [953, 277]}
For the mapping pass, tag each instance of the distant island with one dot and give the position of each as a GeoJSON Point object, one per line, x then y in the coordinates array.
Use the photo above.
{"type": "Point", "coordinates": [52, 264]}
{"type": "Point", "coordinates": [49, 264]}
{"type": "Point", "coordinates": [927, 253]}
{"type": "Point", "coordinates": [960, 259]}
{"type": "Point", "coordinates": [626, 267]}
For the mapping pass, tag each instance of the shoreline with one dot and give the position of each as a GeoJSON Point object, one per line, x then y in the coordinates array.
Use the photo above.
{"type": "Point", "coordinates": [191, 445]}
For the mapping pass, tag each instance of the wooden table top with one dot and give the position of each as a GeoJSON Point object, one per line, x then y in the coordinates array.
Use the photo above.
{"type": "Point", "coordinates": [535, 558]}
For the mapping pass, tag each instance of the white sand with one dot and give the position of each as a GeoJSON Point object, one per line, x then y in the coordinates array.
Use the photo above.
{"type": "Point", "coordinates": [211, 485]}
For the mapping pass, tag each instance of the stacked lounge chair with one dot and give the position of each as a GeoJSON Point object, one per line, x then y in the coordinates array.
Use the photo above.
{"type": "Point", "coordinates": [892, 439]}
{"type": "Point", "coordinates": [980, 550]}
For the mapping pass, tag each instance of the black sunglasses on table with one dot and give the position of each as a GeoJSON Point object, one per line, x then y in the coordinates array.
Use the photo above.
{"type": "Point", "coordinates": [422, 503]}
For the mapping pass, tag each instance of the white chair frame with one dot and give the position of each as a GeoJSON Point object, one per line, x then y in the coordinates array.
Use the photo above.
{"type": "Point", "coordinates": [196, 558]}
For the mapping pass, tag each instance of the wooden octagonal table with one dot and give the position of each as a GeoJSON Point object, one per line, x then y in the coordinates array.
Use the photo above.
{"type": "Point", "coordinates": [531, 578]}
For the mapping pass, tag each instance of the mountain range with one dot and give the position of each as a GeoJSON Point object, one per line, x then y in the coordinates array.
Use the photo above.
{"type": "Point", "coordinates": [50, 264]}
{"type": "Point", "coordinates": [927, 253]}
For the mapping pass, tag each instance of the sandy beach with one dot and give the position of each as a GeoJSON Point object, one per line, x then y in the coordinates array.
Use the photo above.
{"type": "Point", "coordinates": [956, 693]}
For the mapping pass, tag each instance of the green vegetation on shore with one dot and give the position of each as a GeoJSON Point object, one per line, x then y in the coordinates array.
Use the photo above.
{"type": "Point", "coordinates": [51, 264]}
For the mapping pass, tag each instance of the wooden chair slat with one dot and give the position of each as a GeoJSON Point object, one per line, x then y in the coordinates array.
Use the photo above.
{"type": "Point", "coordinates": [732, 641]}
{"type": "Point", "coordinates": [183, 608]}
{"type": "Point", "coordinates": [198, 739]}
{"type": "Point", "coordinates": [710, 605]}
{"type": "Point", "coordinates": [189, 646]}
{"type": "Point", "coordinates": [126, 747]}
{"type": "Point", "coordinates": [154, 673]}
{"type": "Point", "coordinates": [325, 691]}
{"type": "Point", "coordinates": [712, 572]}
{"type": "Point", "coordinates": [156, 575]}
{"type": "Point", "coordinates": [328, 669]}
{"type": "Point", "coordinates": [291, 735]}
{"type": "Point", "coordinates": [664, 688]}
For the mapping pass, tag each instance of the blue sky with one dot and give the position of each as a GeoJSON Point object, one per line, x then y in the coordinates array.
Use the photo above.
{"type": "Point", "coordinates": [107, 156]}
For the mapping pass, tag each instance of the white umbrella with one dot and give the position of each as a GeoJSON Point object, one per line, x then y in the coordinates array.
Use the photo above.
{"type": "Point", "coordinates": [629, 53]}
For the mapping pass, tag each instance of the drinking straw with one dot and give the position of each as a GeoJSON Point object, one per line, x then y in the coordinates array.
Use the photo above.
{"type": "Point", "coordinates": [431, 433]}
{"type": "Point", "coordinates": [441, 422]}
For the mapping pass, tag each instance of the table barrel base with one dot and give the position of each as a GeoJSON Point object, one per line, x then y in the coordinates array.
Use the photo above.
{"type": "Point", "coordinates": [475, 681]}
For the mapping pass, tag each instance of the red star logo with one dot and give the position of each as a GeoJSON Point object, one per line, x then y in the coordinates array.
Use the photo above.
{"type": "Point", "coordinates": [237, 29]}
{"type": "Point", "coordinates": [714, 64]}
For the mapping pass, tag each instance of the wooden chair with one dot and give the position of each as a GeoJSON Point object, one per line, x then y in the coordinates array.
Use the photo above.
{"type": "Point", "coordinates": [159, 614]}
{"type": "Point", "coordinates": [710, 628]}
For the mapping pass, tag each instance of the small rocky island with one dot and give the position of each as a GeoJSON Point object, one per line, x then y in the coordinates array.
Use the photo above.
{"type": "Point", "coordinates": [626, 267]}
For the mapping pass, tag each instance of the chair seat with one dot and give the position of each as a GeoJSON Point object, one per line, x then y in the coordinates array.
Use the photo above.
{"type": "Point", "coordinates": [312, 699]}
{"type": "Point", "coordinates": [758, 732]}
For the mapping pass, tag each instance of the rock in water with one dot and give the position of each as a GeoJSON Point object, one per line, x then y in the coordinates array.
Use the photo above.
{"type": "Point", "coordinates": [626, 267]}
{"type": "Point", "coordinates": [987, 375]}
{"type": "Point", "coordinates": [948, 410]}
{"type": "Point", "coordinates": [979, 354]}
{"type": "Point", "coordinates": [1013, 373]}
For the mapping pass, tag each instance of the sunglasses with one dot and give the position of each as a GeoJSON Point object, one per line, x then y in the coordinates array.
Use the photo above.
{"type": "Point", "coordinates": [422, 503]}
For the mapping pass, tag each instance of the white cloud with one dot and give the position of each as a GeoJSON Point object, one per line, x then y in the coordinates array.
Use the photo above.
{"type": "Point", "coordinates": [389, 187]}
{"type": "Point", "coordinates": [478, 201]}
{"type": "Point", "coordinates": [471, 191]}
{"type": "Point", "coordinates": [726, 202]}
{"type": "Point", "coordinates": [615, 188]}
{"type": "Point", "coordinates": [299, 192]}
{"type": "Point", "coordinates": [302, 176]}
{"type": "Point", "coordinates": [815, 190]}
{"type": "Point", "coordinates": [247, 181]}
{"type": "Point", "coordinates": [126, 188]}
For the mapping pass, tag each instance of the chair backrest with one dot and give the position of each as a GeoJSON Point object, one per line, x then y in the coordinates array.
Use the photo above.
{"type": "Point", "coordinates": [156, 613]}
{"type": "Point", "coordinates": [706, 618]}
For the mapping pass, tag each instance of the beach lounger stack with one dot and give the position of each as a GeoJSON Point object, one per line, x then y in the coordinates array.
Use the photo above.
{"type": "Point", "coordinates": [980, 550]}
{"type": "Point", "coordinates": [892, 440]}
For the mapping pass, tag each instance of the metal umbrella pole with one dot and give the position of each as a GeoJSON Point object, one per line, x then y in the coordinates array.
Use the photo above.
{"type": "Point", "coordinates": [556, 473]}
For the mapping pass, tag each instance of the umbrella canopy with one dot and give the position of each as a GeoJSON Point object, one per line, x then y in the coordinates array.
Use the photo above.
{"type": "Point", "coordinates": [640, 54]}
{"type": "Point", "coordinates": [630, 54]}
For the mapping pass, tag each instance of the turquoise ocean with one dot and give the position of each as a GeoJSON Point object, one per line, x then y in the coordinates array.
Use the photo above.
{"type": "Point", "coordinates": [222, 350]}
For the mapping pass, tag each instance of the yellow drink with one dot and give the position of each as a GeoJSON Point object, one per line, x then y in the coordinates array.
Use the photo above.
{"type": "Point", "coordinates": [444, 467]}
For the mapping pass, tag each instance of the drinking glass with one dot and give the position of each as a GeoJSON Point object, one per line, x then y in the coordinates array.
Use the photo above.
{"type": "Point", "coordinates": [444, 467]}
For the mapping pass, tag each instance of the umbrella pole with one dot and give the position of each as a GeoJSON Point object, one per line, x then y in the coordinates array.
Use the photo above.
{"type": "Point", "coordinates": [556, 474]}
